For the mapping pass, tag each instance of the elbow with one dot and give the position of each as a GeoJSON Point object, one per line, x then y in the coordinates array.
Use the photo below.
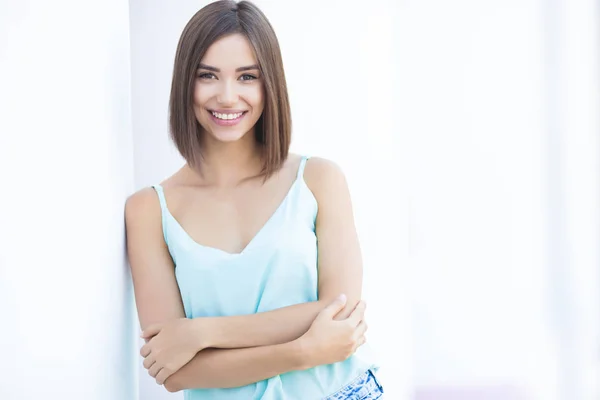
{"type": "Point", "coordinates": [172, 388]}
{"type": "Point", "coordinates": [178, 382]}
{"type": "Point", "coordinates": [172, 385]}
{"type": "Point", "coordinates": [351, 303]}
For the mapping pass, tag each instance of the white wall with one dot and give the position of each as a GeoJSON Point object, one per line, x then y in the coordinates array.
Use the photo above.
{"type": "Point", "coordinates": [574, 174]}
{"type": "Point", "coordinates": [338, 56]}
{"type": "Point", "coordinates": [67, 329]}
{"type": "Point", "coordinates": [501, 101]}
{"type": "Point", "coordinates": [474, 106]}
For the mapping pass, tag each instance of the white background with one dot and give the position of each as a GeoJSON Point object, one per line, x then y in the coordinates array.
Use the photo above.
{"type": "Point", "coordinates": [67, 322]}
{"type": "Point", "coordinates": [500, 100]}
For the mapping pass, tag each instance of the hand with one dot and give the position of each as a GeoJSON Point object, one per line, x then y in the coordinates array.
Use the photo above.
{"type": "Point", "coordinates": [169, 346]}
{"type": "Point", "coordinates": [328, 341]}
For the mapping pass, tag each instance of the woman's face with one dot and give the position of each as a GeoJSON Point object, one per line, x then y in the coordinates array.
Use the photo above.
{"type": "Point", "coordinates": [228, 93]}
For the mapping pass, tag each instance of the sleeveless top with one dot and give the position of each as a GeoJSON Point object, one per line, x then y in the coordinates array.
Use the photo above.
{"type": "Point", "coordinates": [278, 268]}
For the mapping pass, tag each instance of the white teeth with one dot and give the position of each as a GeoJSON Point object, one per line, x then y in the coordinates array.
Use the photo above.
{"type": "Point", "coordinates": [226, 116]}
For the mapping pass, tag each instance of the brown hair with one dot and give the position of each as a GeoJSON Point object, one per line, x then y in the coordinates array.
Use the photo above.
{"type": "Point", "coordinates": [212, 22]}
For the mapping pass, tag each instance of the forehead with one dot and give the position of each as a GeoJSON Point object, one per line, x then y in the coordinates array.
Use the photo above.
{"type": "Point", "coordinates": [229, 53]}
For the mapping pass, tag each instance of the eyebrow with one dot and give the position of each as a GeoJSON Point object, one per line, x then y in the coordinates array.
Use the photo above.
{"type": "Point", "coordinates": [215, 69]}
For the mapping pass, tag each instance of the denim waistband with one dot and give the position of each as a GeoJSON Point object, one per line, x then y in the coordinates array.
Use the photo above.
{"type": "Point", "coordinates": [365, 387]}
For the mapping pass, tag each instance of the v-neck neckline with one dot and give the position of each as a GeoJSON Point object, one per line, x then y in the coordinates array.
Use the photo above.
{"type": "Point", "coordinates": [252, 241]}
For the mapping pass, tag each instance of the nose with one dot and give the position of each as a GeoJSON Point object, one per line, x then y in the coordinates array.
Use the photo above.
{"type": "Point", "coordinates": [227, 94]}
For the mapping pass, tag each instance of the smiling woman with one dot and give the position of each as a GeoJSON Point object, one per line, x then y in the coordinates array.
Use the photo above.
{"type": "Point", "coordinates": [246, 264]}
{"type": "Point", "coordinates": [229, 54]}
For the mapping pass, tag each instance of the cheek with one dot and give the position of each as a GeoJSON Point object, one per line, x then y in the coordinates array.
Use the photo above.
{"type": "Point", "coordinates": [201, 96]}
{"type": "Point", "coordinates": [253, 95]}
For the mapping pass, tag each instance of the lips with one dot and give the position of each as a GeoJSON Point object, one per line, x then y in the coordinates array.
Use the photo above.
{"type": "Point", "coordinates": [227, 122]}
{"type": "Point", "coordinates": [226, 110]}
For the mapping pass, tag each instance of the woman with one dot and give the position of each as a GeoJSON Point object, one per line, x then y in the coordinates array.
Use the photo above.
{"type": "Point", "coordinates": [224, 253]}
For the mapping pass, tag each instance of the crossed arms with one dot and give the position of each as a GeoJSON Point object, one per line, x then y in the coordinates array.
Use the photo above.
{"type": "Point", "coordinates": [238, 350]}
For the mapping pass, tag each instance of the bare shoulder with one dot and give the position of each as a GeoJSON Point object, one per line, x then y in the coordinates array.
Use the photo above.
{"type": "Point", "coordinates": [146, 245]}
{"type": "Point", "coordinates": [320, 165]}
{"type": "Point", "coordinates": [323, 176]}
{"type": "Point", "coordinates": [145, 203]}
{"type": "Point", "coordinates": [142, 205]}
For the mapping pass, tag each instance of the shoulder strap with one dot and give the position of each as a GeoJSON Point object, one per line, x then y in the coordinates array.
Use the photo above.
{"type": "Point", "coordinates": [163, 208]}
{"type": "Point", "coordinates": [301, 167]}
{"type": "Point", "coordinates": [161, 196]}
{"type": "Point", "coordinates": [306, 204]}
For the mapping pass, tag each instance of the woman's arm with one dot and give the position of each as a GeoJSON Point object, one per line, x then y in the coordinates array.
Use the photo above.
{"type": "Point", "coordinates": [326, 342]}
{"type": "Point", "coordinates": [157, 296]}
{"type": "Point", "coordinates": [227, 368]}
{"type": "Point", "coordinates": [261, 329]}
{"type": "Point", "coordinates": [158, 301]}
{"type": "Point", "coordinates": [340, 259]}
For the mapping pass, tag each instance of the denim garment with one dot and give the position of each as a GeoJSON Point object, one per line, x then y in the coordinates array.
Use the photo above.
{"type": "Point", "coordinates": [365, 387]}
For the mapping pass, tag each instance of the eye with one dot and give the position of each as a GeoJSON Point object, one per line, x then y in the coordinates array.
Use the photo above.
{"type": "Point", "coordinates": [206, 75]}
{"type": "Point", "coordinates": [248, 77]}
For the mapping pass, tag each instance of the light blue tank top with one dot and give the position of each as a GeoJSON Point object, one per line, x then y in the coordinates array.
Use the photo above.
{"type": "Point", "coordinates": [278, 268]}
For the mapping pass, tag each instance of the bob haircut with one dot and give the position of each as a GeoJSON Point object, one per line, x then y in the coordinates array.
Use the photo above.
{"type": "Point", "coordinates": [209, 24]}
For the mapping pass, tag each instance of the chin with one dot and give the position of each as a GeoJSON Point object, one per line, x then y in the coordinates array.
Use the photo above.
{"type": "Point", "coordinates": [228, 136]}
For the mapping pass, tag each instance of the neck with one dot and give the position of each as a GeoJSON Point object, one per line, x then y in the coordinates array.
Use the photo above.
{"type": "Point", "coordinates": [228, 164]}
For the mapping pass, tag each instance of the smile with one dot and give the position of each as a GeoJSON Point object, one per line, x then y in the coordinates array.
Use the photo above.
{"type": "Point", "coordinates": [227, 119]}
{"type": "Point", "coordinates": [227, 116]}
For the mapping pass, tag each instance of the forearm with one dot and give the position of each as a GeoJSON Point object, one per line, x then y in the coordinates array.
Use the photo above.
{"type": "Point", "coordinates": [227, 368]}
{"type": "Point", "coordinates": [262, 329]}
{"type": "Point", "coordinates": [279, 326]}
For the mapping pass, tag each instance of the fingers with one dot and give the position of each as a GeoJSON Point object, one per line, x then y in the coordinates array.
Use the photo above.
{"type": "Point", "coordinates": [148, 361]}
{"type": "Point", "coordinates": [358, 314]}
{"type": "Point", "coordinates": [334, 307]}
{"type": "Point", "coordinates": [154, 370]}
{"type": "Point", "coordinates": [362, 340]}
{"type": "Point", "coordinates": [360, 330]}
{"type": "Point", "coordinates": [162, 376]}
{"type": "Point", "coordinates": [145, 350]}
{"type": "Point", "coordinates": [150, 331]}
